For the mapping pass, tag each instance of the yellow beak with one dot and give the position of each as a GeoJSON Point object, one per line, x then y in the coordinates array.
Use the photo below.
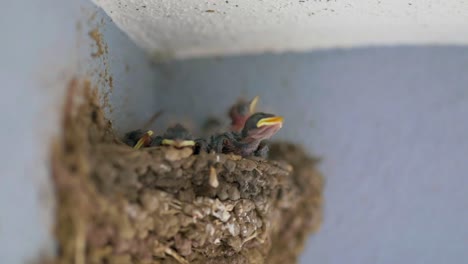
{"type": "Point", "coordinates": [142, 140]}
{"type": "Point", "coordinates": [178, 144]}
{"type": "Point", "coordinates": [253, 105]}
{"type": "Point", "coordinates": [269, 121]}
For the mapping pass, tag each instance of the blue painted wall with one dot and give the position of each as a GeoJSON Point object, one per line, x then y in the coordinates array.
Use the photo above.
{"type": "Point", "coordinates": [391, 124]}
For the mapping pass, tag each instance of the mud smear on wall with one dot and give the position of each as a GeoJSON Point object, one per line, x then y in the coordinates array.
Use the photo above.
{"type": "Point", "coordinates": [163, 205]}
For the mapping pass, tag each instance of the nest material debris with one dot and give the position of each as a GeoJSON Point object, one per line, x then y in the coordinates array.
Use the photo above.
{"type": "Point", "coordinates": [165, 205]}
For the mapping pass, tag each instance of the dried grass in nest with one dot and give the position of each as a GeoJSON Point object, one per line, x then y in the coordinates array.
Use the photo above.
{"type": "Point", "coordinates": [163, 205]}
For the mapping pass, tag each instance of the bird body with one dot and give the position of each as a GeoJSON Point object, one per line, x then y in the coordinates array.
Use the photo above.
{"type": "Point", "coordinates": [240, 112]}
{"type": "Point", "coordinates": [179, 137]}
{"type": "Point", "coordinates": [258, 127]}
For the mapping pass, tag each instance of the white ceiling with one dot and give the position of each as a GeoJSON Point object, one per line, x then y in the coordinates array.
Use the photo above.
{"type": "Point", "coordinates": [194, 28]}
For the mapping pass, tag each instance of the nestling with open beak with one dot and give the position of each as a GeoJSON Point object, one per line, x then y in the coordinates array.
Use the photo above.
{"type": "Point", "coordinates": [240, 112]}
{"type": "Point", "coordinates": [258, 127]}
{"type": "Point", "coordinates": [179, 137]}
{"type": "Point", "coordinates": [138, 138]}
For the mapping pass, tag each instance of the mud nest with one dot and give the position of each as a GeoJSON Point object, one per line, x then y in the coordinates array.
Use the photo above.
{"type": "Point", "coordinates": [164, 205]}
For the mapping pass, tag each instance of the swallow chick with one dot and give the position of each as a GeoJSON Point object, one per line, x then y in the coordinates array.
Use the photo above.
{"type": "Point", "coordinates": [257, 128]}
{"type": "Point", "coordinates": [240, 112]}
{"type": "Point", "coordinates": [138, 138]}
{"type": "Point", "coordinates": [178, 136]}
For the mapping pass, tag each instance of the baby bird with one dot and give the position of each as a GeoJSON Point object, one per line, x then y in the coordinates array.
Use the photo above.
{"type": "Point", "coordinates": [179, 137]}
{"type": "Point", "coordinates": [258, 127]}
{"type": "Point", "coordinates": [240, 112]}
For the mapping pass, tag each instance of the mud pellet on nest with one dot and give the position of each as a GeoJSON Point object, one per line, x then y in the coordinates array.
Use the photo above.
{"type": "Point", "coordinates": [236, 243]}
{"type": "Point", "coordinates": [160, 167]}
{"type": "Point", "coordinates": [247, 165]}
{"type": "Point", "coordinates": [254, 219]}
{"type": "Point", "coordinates": [284, 165]}
{"type": "Point", "coordinates": [188, 209]}
{"type": "Point", "coordinates": [173, 154]}
{"type": "Point", "coordinates": [230, 165]}
{"type": "Point", "coordinates": [141, 170]}
{"type": "Point", "coordinates": [220, 159]}
{"type": "Point", "coordinates": [177, 164]}
{"type": "Point", "coordinates": [150, 201]}
{"type": "Point", "coordinates": [249, 190]}
{"type": "Point", "coordinates": [272, 170]}
{"type": "Point", "coordinates": [170, 182]}
{"type": "Point", "coordinates": [183, 245]}
{"type": "Point", "coordinates": [188, 162]}
{"type": "Point", "coordinates": [247, 230]}
{"type": "Point", "coordinates": [234, 193]}
{"type": "Point", "coordinates": [200, 164]}
{"type": "Point", "coordinates": [233, 227]}
{"type": "Point", "coordinates": [178, 173]}
{"type": "Point", "coordinates": [186, 195]}
{"type": "Point", "coordinates": [222, 192]}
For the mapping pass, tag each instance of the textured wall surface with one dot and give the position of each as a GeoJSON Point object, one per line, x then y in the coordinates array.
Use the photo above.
{"type": "Point", "coordinates": [193, 28]}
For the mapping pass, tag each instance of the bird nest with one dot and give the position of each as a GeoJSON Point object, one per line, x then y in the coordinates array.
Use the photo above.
{"type": "Point", "coordinates": [167, 205]}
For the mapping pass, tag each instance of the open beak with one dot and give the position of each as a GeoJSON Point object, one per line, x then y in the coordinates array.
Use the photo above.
{"type": "Point", "coordinates": [143, 140]}
{"type": "Point", "coordinates": [178, 143]}
{"type": "Point", "coordinates": [253, 105]}
{"type": "Point", "coordinates": [270, 121]}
